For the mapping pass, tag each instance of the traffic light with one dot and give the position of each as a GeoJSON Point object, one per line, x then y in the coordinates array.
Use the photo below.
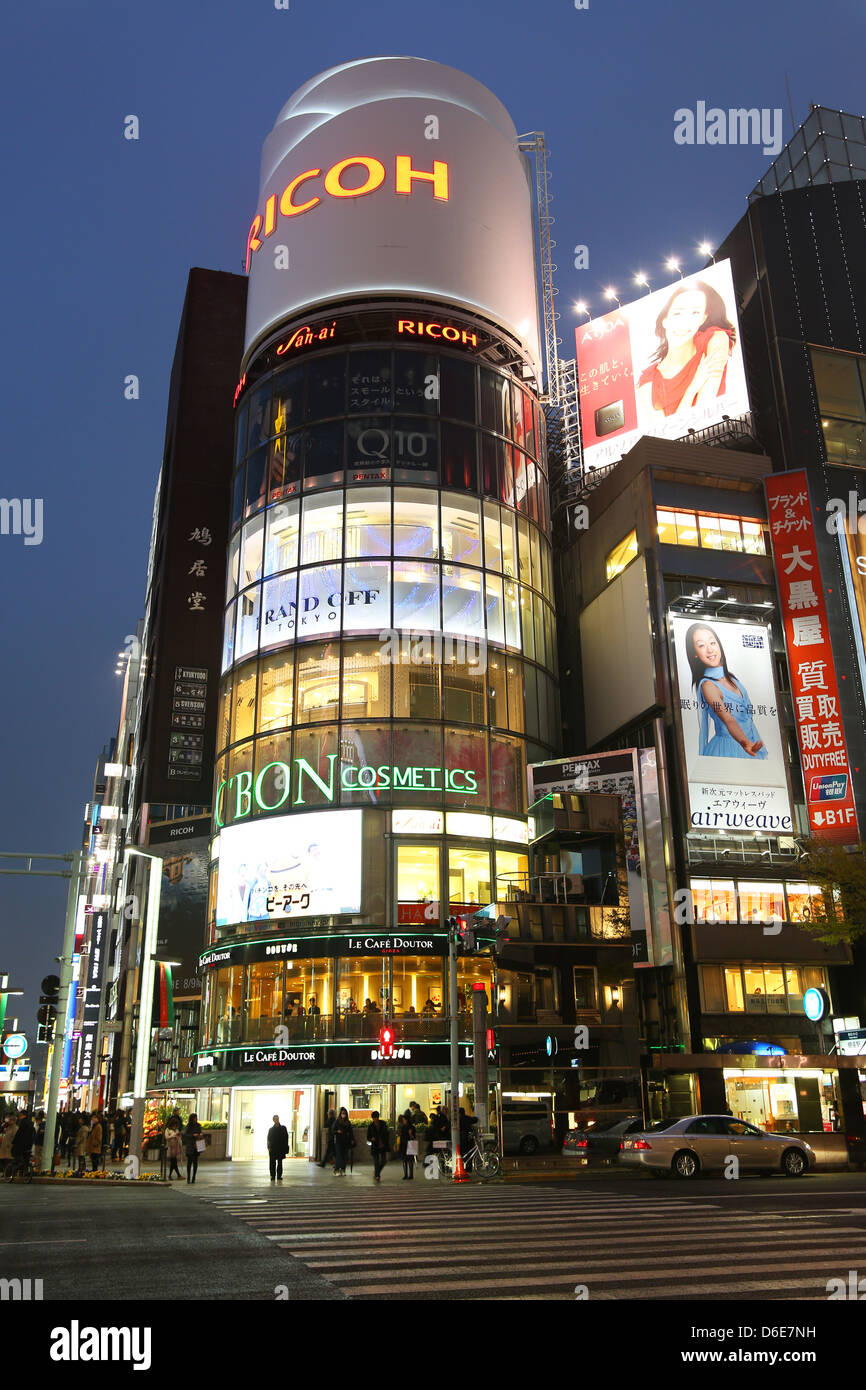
{"type": "Point", "coordinates": [48, 1008]}
{"type": "Point", "coordinates": [386, 1040]}
{"type": "Point", "coordinates": [500, 937]}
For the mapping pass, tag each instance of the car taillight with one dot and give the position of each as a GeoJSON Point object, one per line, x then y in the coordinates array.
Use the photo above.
{"type": "Point", "coordinates": [582, 1144]}
{"type": "Point", "coordinates": [641, 1144]}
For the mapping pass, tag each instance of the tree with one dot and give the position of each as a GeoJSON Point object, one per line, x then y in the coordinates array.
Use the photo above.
{"type": "Point", "coordinates": [839, 914]}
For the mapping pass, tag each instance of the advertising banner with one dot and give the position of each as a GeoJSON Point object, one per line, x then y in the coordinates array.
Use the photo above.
{"type": "Point", "coordinates": [184, 847]}
{"type": "Point", "coordinates": [814, 688]}
{"type": "Point", "coordinates": [301, 865]}
{"type": "Point", "coordinates": [662, 365]}
{"type": "Point", "coordinates": [616, 774]}
{"type": "Point", "coordinates": [735, 763]}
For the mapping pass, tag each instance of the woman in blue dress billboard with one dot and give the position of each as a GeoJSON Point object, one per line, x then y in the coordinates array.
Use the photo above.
{"type": "Point", "coordinates": [723, 700]}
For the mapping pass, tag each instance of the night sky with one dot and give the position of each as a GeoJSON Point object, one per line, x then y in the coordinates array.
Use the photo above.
{"type": "Point", "coordinates": [100, 233]}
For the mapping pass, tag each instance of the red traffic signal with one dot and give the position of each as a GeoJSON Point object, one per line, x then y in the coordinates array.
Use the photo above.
{"type": "Point", "coordinates": [386, 1041]}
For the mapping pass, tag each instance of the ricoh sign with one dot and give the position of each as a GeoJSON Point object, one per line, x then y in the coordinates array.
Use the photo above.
{"type": "Point", "coordinates": [393, 175]}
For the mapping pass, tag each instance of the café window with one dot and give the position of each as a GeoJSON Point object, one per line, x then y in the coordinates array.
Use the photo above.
{"type": "Point", "coordinates": [761, 989]}
{"type": "Point", "coordinates": [418, 882]}
{"type": "Point", "coordinates": [309, 986]}
{"type": "Point", "coordinates": [229, 1003]}
{"type": "Point", "coordinates": [264, 1000]}
{"type": "Point", "coordinates": [468, 876]}
{"type": "Point", "coordinates": [363, 986]}
{"type": "Point", "coordinates": [415, 980]}
{"type": "Point", "coordinates": [806, 902]}
{"type": "Point", "coordinates": [471, 971]}
{"type": "Point", "coordinates": [621, 555]}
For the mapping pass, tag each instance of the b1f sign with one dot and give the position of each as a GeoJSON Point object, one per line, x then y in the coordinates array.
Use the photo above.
{"type": "Point", "coordinates": [814, 688]}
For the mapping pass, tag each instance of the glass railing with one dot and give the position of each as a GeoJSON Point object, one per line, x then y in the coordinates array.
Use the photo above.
{"type": "Point", "coordinates": [342, 1027]}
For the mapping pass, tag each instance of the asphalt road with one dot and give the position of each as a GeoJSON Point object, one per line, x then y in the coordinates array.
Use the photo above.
{"type": "Point", "coordinates": [235, 1236]}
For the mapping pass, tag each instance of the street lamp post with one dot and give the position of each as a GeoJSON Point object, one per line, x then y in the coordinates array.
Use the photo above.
{"type": "Point", "coordinates": [145, 1002]}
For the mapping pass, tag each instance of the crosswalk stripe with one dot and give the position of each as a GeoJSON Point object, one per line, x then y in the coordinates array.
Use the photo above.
{"type": "Point", "coordinates": [579, 1276]}
{"type": "Point", "coordinates": [784, 1243]}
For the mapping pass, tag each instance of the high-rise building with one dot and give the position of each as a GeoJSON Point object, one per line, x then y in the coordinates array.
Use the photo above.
{"type": "Point", "coordinates": [388, 666]}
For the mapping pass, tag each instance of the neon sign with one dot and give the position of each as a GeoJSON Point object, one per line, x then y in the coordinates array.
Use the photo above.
{"type": "Point", "coordinates": [425, 329]}
{"type": "Point", "coordinates": [247, 792]}
{"type": "Point", "coordinates": [286, 204]}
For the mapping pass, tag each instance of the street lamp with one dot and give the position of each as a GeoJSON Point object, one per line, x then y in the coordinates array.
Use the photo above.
{"type": "Point", "coordinates": [145, 1002]}
{"type": "Point", "coordinates": [706, 250]}
{"type": "Point", "coordinates": [641, 279]}
{"type": "Point", "coordinates": [580, 308]}
{"type": "Point", "coordinates": [610, 293]}
{"type": "Point", "coordinates": [673, 264]}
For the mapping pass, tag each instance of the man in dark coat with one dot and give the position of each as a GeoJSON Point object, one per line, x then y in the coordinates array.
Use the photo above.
{"type": "Point", "coordinates": [380, 1142]}
{"type": "Point", "coordinates": [22, 1144]}
{"type": "Point", "coordinates": [278, 1147]}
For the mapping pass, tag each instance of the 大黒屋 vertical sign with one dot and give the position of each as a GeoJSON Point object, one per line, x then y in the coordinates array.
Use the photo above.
{"type": "Point", "coordinates": [815, 692]}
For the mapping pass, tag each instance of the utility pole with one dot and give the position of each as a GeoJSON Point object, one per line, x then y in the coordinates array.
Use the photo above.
{"type": "Point", "coordinates": [455, 1056]}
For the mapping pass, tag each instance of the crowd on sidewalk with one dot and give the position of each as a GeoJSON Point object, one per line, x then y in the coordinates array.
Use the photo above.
{"type": "Point", "coordinates": [81, 1136]}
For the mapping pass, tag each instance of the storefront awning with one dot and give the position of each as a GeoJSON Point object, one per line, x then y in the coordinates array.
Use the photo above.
{"type": "Point", "coordinates": [327, 1076]}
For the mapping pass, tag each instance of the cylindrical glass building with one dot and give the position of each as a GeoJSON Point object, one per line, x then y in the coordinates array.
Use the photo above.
{"type": "Point", "coordinates": [389, 650]}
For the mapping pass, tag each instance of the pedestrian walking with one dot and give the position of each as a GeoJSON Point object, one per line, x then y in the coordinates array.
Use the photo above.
{"type": "Point", "coordinates": [380, 1142]}
{"type": "Point", "coordinates": [7, 1138]}
{"type": "Point", "coordinates": [408, 1145]}
{"type": "Point", "coordinates": [174, 1145]}
{"type": "Point", "coordinates": [416, 1114]}
{"type": "Point", "coordinates": [39, 1142]}
{"type": "Point", "coordinates": [438, 1129]}
{"type": "Point", "coordinates": [22, 1145]}
{"type": "Point", "coordinates": [193, 1135]}
{"type": "Point", "coordinates": [69, 1128]}
{"type": "Point", "coordinates": [82, 1134]}
{"type": "Point", "coordinates": [344, 1141]}
{"type": "Point", "coordinates": [94, 1141]}
{"type": "Point", "coordinates": [329, 1137]}
{"type": "Point", "coordinates": [278, 1147]}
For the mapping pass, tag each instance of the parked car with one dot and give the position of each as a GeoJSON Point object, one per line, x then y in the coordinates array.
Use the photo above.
{"type": "Point", "coordinates": [527, 1126]}
{"type": "Point", "coordinates": [684, 1147]}
{"type": "Point", "coordinates": [601, 1141]}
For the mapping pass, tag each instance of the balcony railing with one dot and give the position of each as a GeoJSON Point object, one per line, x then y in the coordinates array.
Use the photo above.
{"type": "Point", "coordinates": [341, 1027]}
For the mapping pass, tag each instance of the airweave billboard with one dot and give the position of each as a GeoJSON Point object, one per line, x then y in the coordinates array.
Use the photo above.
{"type": "Point", "coordinates": [393, 175]}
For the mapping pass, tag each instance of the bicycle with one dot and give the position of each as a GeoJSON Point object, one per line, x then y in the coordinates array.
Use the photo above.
{"type": "Point", "coordinates": [483, 1155]}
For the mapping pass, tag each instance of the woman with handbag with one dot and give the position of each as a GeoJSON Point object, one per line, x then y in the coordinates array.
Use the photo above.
{"type": "Point", "coordinates": [173, 1147]}
{"type": "Point", "coordinates": [407, 1145]}
{"type": "Point", "coordinates": [193, 1145]}
{"type": "Point", "coordinates": [344, 1141]}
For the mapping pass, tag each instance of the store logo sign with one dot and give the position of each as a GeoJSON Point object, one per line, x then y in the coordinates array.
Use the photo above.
{"type": "Point", "coordinates": [246, 793]}
{"type": "Point", "coordinates": [296, 198]}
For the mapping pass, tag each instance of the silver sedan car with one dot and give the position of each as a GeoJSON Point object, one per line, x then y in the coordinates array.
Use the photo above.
{"type": "Point", "coordinates": [684, 1147]}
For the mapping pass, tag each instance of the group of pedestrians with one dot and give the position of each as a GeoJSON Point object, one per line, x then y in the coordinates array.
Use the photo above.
{"type": "Point", "coordinates": [187, 1140]}
{"type": "Point", "coordinates": [19, 1136]}
{"type": "Point", "coordinates": [340, 1139]}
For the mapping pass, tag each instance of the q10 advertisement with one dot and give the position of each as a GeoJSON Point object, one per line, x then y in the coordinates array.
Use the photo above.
{"type": "Point", "coordinates": [734, 757]}
{"type": "Point", "coordinates": [302, 865]}
{"type": "Point", "coordinates": [661, 365]}
{"type": "Point", "coordinates": [393, 175]}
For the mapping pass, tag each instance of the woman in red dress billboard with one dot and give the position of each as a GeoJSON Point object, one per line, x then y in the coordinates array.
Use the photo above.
{"type": "Point", "coordinates": [696, 340]}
